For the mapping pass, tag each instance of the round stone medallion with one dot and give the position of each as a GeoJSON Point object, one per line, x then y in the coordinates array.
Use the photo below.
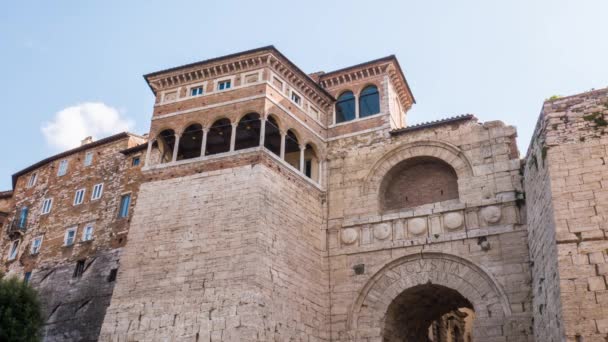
{"type": "Point", "coordinates": [417, 226]}
{"type": "Point", "coordinates": [349, 236]}
{"type": "Point", "coordinates": [491, 214]}
{"type": "Point", "coordinates": [452, 220]}
{"type": "Point", "coordinates": [382, 231]}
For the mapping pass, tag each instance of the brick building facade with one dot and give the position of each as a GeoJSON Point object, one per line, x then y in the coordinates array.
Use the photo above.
{"type": "Point", "coordinates": [266, 204]}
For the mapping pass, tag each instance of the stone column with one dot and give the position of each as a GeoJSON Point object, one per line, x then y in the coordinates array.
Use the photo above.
{"type": "Point", "coordinates": [233, 136]}
{"type": "Point", "coordinates": [204, 143]}
{"type": "Point", "coordinates": [175, 148]}
{"type": "Point", "coordinates": [148, 152]}
{"type": "Point", "coordinates": [262, 131]}
{"type": "Point", "coordinates": [320, 166]}
{"type": "Point", "coordinates": [302, 150]}
{"type": "Point", "coordinates": [356, 106]}
{"type": "Point", "coordinates": [283, 135]}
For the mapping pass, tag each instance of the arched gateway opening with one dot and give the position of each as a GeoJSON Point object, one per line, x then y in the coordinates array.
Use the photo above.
{"type": "Point", "coordinates": [429, 312]}
{"type": "Point", "coordinates": [427, 296]}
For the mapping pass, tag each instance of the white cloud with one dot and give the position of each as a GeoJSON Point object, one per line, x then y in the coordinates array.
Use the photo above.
{"type": "Point", "coordinates": [72, 124]}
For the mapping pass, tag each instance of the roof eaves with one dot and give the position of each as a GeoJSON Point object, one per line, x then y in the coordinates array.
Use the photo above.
{"type": "Point", "coordinates": [435, 123]}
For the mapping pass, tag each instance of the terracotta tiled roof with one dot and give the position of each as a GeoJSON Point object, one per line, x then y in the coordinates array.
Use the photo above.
{"type": "Point", "coordinates": [433, 123]}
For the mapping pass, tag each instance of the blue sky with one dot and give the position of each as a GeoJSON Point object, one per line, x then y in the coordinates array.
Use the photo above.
{"type": "Point", "coordinates": [74, 68]}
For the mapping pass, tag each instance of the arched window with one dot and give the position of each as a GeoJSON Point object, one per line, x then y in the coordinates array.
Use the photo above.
{"type": "Point", "coordinates": [345, 107]}
{"type": "Point", "coordinates": [292, 149]}
{"type": "Point", "coordinates": [190, 143]}
{"type": "Point", "coordinates": [369, 101]}
{"type": "Point", "coordinates": [272, 136]}
{"type": "Point", "coordinates": [311, 163]}
{"type": "Point", "coordinates": [165, 143]}
{"type": "Point", "coordinates": [248, 132]}
{"type": "Point", "coordinates": [218, 138]}
{"type": "Point", "coordinates": [417, 181]}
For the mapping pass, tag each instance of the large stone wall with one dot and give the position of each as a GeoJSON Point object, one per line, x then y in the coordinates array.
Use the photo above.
{"type": "Point", "coordinates": [227, 255]}
{"type": "Point", "coordinates": [566, 181]}
{"type": "Point", "coordinates": [475, 245]}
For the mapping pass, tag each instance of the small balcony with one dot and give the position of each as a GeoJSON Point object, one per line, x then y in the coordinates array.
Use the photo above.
{"type": "Point", "coordinates": [17, 227]}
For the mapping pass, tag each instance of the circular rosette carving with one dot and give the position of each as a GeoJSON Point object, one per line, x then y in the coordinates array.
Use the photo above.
{"type": "Point", "coordinates": [382, 231]}
{"type": "Point", "coordinates": [491, 214]}
{"type": "Point", "coordinates": [349, 236]}
{"type": "Point", "coordinates": [417, 226]}
{"type": "Point", "coordinates": [453, 220]}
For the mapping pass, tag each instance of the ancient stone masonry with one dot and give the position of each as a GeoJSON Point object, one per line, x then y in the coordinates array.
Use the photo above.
{"type": "Point", "coordinates": [271, 205]}
{"type": "Point", "coordinates": [566, 183]}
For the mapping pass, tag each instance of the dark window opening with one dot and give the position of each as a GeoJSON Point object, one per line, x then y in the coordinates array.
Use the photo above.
{"type": "Point", "coordinates": [218, 138]}
{"type": "Point", "coordinates": [190, 143]}
{"type": "Point", "coordinates": [79, 269]}
{"type": "Point", "coordinates": [196, 91]}
{"type": "Point", "coordinates": [112, 275]}
{"type": "Point", "coordinates": [308, 168]}
{"type": "Point", "coordinates": [135, 161]}
{"type": "Point", "coordinates": [272, 136]}
{"type": "Point", "coordinates": [292, 149]}
{"type": "Point", "coordinates": [345, 107]}
{"type": "Point", "coordinates": [23, 217]}
{"type": "Point", "coordinates": [369, 101]}
{"type": "Point", "coordinates": [248, 132]}
{"type": "Point", "coordinates": [165, 144]}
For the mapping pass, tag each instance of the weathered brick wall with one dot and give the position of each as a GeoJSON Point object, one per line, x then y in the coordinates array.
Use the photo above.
{"type": "Point", "coordinates": [419, 182]}
{"type": "Point", "coordinates": [567, 176]}
{"type": "Point", "coordinates": [227, 255]}
{"type": "Point", "coordinates": [74, 307]}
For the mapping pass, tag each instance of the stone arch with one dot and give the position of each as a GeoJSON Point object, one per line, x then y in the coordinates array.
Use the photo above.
{"type": "Point", "coordinates": [446, 152]}
{"type": "Point", "coordinates": [489, 301]}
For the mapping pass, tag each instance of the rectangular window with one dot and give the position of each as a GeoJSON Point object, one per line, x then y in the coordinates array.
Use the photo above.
{"type": "Point", "coordinates": [196, 91]}
{"type": "Point", "coordinates": [26, 277]}
{"type": "Point", "coordinates": [63, 167]}
{"type": "Point", "coordinates": [70, 236]}
{"type": "Point", "coordinates": [23, 217]}
{"type": "Point", "coordinates": [87, 234]}
{"type": "Point", "coordinates": [112, 275]}
{"type": "Point", "coordinates": [223, 85]}
{"type": "Point", "coordinates": [46, 205]}
{"type": "Point", "coordinates": [88, 159]}
{"type": "Point", "coordinates": [135, 161]}
{"type": "Point", "coordinates": [97, 191]}
{"type": "Point", "coordinates": [32, 181]}
{"type": "Point", "coordinates": [36, 244]}
{"type": "Point", "coordinates": [296, 98]}
{"type": "Point", "coordinates": [125, 201]}
{"type": "Point", "coordinates": [12, 254]}
{"type": "Point", "coordinates": [79, 269]}
{"type": "Point", "coordinates": [79, 197]}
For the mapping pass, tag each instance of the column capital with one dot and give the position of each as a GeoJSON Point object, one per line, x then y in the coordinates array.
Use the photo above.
{"type": "Point", "coordinates": [302, 147]}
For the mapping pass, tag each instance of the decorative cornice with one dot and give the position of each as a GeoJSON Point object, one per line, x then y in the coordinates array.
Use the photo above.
{"type": "Point", "coordinates": [240, 62]}
{"type": "Point", "coordinates": [387, 65]}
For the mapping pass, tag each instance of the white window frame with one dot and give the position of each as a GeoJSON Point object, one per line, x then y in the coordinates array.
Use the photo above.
{"type": "Point", "coordinates": [36, 249]}
{"type": "Point", "coordinates": [67, 232]}
{"type": "Point", "coordinates": [60, 167]}
{"type": "Point", "coordinates": [196, 85]}
{"type": "Point", "coordinates": [32, 180]}
{"type": "Point", "coordinates": [88, 158]}
{"type": "Point", "coordinates": [46, 208]}
{"type": "Point", "coordinates": [292, 93]}
{"type": "Point", "coordinates": [76, 197]}
{"type": "Point", "coordinates": [216, 83]}
{"type": "Point", "coordinates": [93, 197]}
{"type": "Point", "coordinates": [88, 227]}
{"type": "Point", "coordinates": [13, 251]}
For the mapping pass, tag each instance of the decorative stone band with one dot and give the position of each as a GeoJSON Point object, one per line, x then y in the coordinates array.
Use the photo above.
{"type": "Point", "coordinates": [434, 227]}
